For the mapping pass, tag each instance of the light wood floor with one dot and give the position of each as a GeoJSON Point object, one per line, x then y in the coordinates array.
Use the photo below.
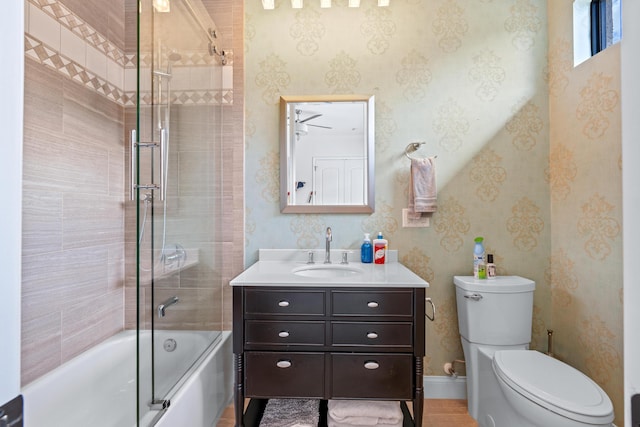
{"type": "Point", "coordinates": [437, 413]}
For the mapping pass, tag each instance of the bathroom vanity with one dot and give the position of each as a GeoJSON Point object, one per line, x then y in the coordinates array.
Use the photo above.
{"type": "Point", "coordinates": [318, 331]}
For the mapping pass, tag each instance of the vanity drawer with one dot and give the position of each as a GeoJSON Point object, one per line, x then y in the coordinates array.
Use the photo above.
{"type": "Point", "coordinates": [372, 376]}
{"type": "Point", "coordinates": [376, 334]}
{"type": "Point", "coordinates": [284, 374]}
{"type": "Point", "coordinates": [284, 302]}
{"type": "Point", "coordinates": [289, 333]}
{"type": "Point", "coordinates": [372, 303]}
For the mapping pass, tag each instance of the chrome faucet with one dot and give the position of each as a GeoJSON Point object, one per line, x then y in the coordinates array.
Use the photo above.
{"type": "Point", "coordinates": [327, 254]}
{"type": "Point", "coordinates": [166, 304]}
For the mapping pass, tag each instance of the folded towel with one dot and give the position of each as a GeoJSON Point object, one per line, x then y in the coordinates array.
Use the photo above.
{"type": "Point", "coordinates": [333, 423]}
{"type": "Point", "coordinates": [422, 187]}
{"type": "Point", "coordinates": [342, 413]}
{"type": "Point", "coordinates": [291, 413]}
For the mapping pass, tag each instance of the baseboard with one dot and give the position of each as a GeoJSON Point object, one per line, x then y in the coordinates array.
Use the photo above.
{"type": "Point", "coordinates": [444, 387]}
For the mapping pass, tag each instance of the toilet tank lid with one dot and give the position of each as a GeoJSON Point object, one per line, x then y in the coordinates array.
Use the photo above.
{"type": "Point", "coordinates": [552, 384]}
{"type": "Point", "coordinates": [500, 284]}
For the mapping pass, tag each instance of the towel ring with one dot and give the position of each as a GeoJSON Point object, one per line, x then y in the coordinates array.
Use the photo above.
{"type": "Point", "coordinates": [433, 308]}
{"type": "Point", "coordinates": [411, 147]}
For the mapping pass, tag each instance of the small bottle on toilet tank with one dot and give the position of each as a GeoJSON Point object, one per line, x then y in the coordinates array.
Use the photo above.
{"type": "Point", "coordinates": [491, 267]}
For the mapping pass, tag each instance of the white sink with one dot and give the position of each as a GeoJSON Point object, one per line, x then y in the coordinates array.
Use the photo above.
{"type": "Point", "coordinates": [327, 270]}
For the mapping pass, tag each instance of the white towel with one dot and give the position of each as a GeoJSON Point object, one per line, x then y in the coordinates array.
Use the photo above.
{"type": "Point", "coordinates": [422, 187]}
{"type": "Point", "coordinates": [333, 423]}
{"type": "Point", "coordinates": [350, 413]}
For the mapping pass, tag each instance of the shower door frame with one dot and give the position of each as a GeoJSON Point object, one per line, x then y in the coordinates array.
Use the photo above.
{"type": "Point", "coordinates": [150, 153]}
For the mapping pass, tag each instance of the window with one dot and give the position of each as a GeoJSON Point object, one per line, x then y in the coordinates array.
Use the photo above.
{"type": "Point", "coordinates": [596, 26]}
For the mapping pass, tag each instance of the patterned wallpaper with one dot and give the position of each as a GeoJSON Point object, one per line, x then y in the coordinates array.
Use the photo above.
{"type": "Point", "coordinates": [528, 153]}
{"type": "Point", "coordinates": [469, 78]}
{"type": "Point", "coordinates": [584, 270]}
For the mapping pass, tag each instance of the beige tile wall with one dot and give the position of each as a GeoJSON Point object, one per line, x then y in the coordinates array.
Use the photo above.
{"type": "Point", "coordinates": [79, 83]}
{"type": "Point", "coordinates": [73, 220]}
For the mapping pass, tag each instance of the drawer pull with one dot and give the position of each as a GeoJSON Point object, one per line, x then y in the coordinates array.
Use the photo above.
{"type": "Point", "coordinates": [283, 334]}
{"type": "Point", "coordinates": [371, 365]}
{"type": "Point", "coordinates": [283, 303]}
{"type": "Point", "coordinates": [283, 363]}
{"type": "Point", "coordinates": [372, 304]}
{"type": "Point", "coordinates": [372, 335]}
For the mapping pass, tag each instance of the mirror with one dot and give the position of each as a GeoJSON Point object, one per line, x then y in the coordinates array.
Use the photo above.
{"type": "Point", "coordinates": [327, 154]}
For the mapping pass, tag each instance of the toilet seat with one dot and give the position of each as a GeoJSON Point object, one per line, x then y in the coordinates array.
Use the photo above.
{"type": "Point", "coordinates": [554, 385]}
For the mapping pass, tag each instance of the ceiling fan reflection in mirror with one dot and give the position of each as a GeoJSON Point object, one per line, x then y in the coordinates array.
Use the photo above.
{"type": "Point", "coordinates": [301, 126]}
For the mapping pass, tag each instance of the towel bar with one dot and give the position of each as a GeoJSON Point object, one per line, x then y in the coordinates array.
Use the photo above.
{"type": "Point", "coordinates": [413, 146]}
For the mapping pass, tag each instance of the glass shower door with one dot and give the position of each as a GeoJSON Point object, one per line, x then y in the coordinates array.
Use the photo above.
{"type": "Point", "coordinates": [177, 155]}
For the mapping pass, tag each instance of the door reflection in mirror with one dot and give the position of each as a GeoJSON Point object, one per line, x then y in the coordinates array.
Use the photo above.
{"type": "Point", "coordinates": [327, 154]}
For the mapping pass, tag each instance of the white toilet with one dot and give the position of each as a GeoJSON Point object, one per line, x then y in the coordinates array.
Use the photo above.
{"type": "Point", "coordinates": [507, 384]}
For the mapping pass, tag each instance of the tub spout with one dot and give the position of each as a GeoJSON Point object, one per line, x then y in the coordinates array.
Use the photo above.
{"type": "Point", "coordinates": [168, 303]}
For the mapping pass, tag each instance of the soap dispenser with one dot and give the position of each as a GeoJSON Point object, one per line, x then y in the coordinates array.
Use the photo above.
{"type": "Point", "coordinates": [366, 250]}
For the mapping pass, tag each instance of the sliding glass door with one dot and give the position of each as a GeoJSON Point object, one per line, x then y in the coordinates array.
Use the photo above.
{"type": "Point", "coordinates": [176, 170]}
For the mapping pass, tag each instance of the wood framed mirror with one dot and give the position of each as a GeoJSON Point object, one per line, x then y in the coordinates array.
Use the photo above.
{"type": "Point", "coordinates": [327, 154]}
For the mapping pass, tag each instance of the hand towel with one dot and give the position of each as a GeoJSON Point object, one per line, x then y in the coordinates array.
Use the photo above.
{"type": "Point", "coordinates": [422, 187]}
{"type": "Point", "coordinates": [291, 413]}
{"type": "Point", "coordinates": [363, 413]}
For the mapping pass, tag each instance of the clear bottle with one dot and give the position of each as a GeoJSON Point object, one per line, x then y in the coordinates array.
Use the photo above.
{"type": "Point", "coordinates": [479, 266]}
{"type": "Point", "coordinates": [366, 250]}
{"type": "Point", "coordinates": [491, 267]}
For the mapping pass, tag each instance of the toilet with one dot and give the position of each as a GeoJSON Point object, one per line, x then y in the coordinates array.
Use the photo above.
{"type": "Point", "coordinates": [507, 384]}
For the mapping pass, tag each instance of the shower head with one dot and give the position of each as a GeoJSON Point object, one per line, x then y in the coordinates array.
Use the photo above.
{"type": "Point", "coordinates": [173, 56]}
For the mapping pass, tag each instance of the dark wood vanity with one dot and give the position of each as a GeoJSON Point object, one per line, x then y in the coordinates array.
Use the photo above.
{"type": "Point", "coordinates": [325, 342]}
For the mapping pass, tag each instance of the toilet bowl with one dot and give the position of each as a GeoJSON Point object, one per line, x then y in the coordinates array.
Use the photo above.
{"type": "Point", "coordinates": [509, 385]}
{"type": "Point", "coordinates": [547, 392]}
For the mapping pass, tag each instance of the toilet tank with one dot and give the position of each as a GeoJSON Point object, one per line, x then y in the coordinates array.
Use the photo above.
{"type": "Point", "coordinates": [495, 311]}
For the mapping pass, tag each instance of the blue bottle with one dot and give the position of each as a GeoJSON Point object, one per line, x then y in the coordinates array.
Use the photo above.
{"type": "Point", "coordinates": [366, 250]}
{"type": "Point", "coordinates": [479, 266]}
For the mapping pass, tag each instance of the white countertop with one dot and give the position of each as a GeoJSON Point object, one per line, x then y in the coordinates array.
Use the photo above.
{"type": "Point", "coordinates": [274, 268]}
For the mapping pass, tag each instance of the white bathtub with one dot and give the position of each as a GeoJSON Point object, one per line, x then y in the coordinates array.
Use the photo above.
{"type": "Point", "coordinates": [98, 387]}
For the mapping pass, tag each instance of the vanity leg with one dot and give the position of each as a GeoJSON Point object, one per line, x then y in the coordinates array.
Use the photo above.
{"type": "Point", "coordinates": [239, 390]}
{"type": "Point", "coordinates": [418, 399]}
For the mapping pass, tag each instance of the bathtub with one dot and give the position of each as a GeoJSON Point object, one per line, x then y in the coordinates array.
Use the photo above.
{"type": "Point", "coordinates": [98, 387]}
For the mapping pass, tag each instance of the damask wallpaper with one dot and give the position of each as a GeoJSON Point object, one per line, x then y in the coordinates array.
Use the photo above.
{"type": "Point", "coordinates": [584, 270]}
{"type": "Point", "coordinates": [528, 153]}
